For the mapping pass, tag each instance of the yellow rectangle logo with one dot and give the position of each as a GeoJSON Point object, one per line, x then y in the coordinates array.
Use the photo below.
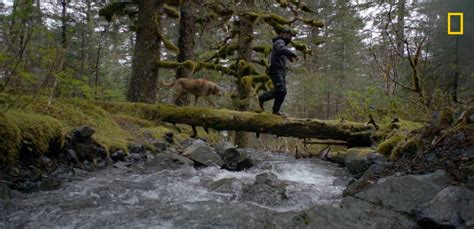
{"type": "Point", "coordinates": [461, 23]}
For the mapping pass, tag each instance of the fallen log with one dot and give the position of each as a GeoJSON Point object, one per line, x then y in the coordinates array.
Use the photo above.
{"type": "Point", "coordinates": [355, 134]}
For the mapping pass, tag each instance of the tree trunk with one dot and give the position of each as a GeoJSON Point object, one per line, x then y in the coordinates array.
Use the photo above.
{"type": "Point", "coordinates": [355, 134]}
{"type": "Point", "coordinates": [144, 81]}
{"type": "Point", "coordinates": [187, 31]}
{"type": "Point", "coordinates": [245, 54]}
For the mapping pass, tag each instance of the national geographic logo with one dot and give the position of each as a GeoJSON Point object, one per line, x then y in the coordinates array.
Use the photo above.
{"type": "Point", "coordinates": [461, 23]}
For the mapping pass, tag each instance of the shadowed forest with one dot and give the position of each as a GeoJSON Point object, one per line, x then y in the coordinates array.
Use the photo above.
{"type": "Point", "coordinates": [93, 91]}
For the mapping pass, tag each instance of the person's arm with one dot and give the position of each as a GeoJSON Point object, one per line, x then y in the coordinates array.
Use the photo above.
{"type": "Point", "coordinates": [280, 49]}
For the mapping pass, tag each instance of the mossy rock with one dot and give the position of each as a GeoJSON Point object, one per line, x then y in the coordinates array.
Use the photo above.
{"type": "Point", "coordinates": [385, 148]}
{"type": "Point", "coordinates": [40, 134]}
{"type": "Point", "coordinates": [10, 140]}
{"type": "Point", "coordinates": [405, 147]}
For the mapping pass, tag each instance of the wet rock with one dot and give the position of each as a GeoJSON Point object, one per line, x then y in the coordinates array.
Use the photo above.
{"type": "Point", "coordinates": [122, 165]}
{"type": "Point", "coordinates": [453, 207]}
{"type": "Point", "coordinates": [135, 157]}
{"type": "Point", "coordinates": [118, 155]}
{"type": "Point", "coordinates": [353, 213]}
{"type": "Point", "coordinates": [358, 161]}
{"type": "Point", "coordinates": [72, 156]}
{"type": "Point", "coordinates": [203, 155]}
{"type": "Point", "coordinates": [136, 149]}
{"type": "Point", "coordinates": [226, 185]}
{"type": "Point", "coordinates": [235, 160]}
{"type": "Point", "coordinates": [83, 133]}
{"type": "Point", "coordinates": [191, 141]}
{"type": "Point", "coordinates": [168, 136]}
{"type": "Point", "coordinates": [266, 190]}
{"type": "Point", "coordinates": [222, 146]}
{"type": "Point", "coordinates": [405, 193]}
{"type": "Point", "coordinates": [255, 155]}
{"type": "Point", "coordinates": [159, 145]}
{"type": "Point", "coordinates": [170, 161]}
{"type": "Point", "coordinates": [5, 193]}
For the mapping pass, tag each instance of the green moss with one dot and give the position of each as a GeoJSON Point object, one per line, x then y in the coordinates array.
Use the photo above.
{"type": "Point", "coordinates": [278, 19]}
{"type": "Point", "coordinates": [314, 23]}
{"type": "Point", "coordinates": [10, 140]}
{"type": "Point", "coordinates": [446, 117]}
{"type": "Point", "coordinates": [171, 11]}
{"type": "Point", "coordinates": [406, 147]}
{"type": "Point", "coordinates": [385, 148]}
{"type": "Point", "coordinates": [169, 44]}
{"type": "Point", "coordinates": [39, 133]}
{"type": "Point", "coordinates": [75, 112]}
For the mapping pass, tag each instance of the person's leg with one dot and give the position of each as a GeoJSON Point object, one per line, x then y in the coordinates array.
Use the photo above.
{"type": "Point", "coordinates": [269, 95]}
{"type": "Point", "coordinates": [280, 93]}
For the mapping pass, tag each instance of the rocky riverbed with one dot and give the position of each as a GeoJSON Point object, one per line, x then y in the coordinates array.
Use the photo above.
{"type": "Point", "coordinates": [200, 186]}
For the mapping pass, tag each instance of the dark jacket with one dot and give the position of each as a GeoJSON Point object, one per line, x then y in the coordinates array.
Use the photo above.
{"type": "Point", "coordinates": [279, 55]}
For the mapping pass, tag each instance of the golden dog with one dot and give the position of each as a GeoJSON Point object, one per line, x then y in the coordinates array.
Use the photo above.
{"type": "Point", "coordinates": [197, 87]}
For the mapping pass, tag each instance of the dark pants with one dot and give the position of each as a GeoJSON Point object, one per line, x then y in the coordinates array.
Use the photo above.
{"type": "Point", "coordinates": [279, 93]}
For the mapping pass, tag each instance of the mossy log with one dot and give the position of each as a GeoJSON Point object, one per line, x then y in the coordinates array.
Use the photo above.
{"type": "Point", "coordinates": [355, 134]}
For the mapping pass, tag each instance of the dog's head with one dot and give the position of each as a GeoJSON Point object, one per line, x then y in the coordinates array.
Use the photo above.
{"type": "Point", "coordinates": [216, 90]}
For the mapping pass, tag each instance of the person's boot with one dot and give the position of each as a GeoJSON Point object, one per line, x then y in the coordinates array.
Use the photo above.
{"type": "Point", "coordinates": [279, 114]}
{"type": "Point", "coordinates": [260, 104]}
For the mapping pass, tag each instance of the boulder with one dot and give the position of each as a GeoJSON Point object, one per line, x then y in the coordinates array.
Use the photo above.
{"type": "Point", "coordinates": [352, 213]}
{"type": "Point", "coordinates": [266, 190]}
{"type": "Point", "coordinates": [136, 149]}
{"type": "Point", "coordinates": [5, 193]}
{"type": "Point", "coordinates": [222, 146]}
{"type": "Point", "coordinates": [358, 160]}
{"type": "Point", "coordinates": [83, 133]}
{"type": "Point", "coordinates": [169, 137]}
{"type": "Point", "coordinates": [452, 207]}
{"type": "Point", "coordinates": [170, 161]}
{"type": "Point", "coordinates": [235, 160]}
{"type": "Point", "coordinates": [226, 185]}
{"type": "Point", "coordinates": [203, 155]}
{"type": "Point", "coordinates": [159, 145]}
{"type": "Point", "coordinates": [118, 155]}
{"type": "Point", "coordinates": [404, 194]}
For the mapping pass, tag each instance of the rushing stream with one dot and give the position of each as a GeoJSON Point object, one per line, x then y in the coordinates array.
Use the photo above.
{"type": "Point", "coordinates": [150, 196]}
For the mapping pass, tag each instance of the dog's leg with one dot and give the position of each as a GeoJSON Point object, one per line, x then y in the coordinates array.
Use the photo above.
{"type": "Point", "coordinates": [196, 100]}
{"type": "Point", "coordinates": [209, 101]}
{"type": "Point", "coordinates": [177, 97]}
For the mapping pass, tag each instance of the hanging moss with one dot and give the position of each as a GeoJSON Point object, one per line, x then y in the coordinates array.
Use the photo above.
{"type": "Point", "coordinates": [318, 41]}
{"type": "Point", "coordinates": [262, 62]}
{"type": "Point", "coordinates": [251, 16]}
{"type": "Point", "coordinates": [314, 23]}
{"type": "Point", "coordinates": [306, 8]}
{"type": "Point", "coordinates": [188, 64]}
{"type": "Point", "coordinates": [265, 49]}
{"type": "Point", "coordinates": [171, 11]}
{"type": "Point", "coordinates": [283, 3]}
{"type": "Point", "coordinates": [174, 2]}
{"type": "Point", "coordinates": [278, 19]}
{"type": "Point", "coordinates": [169, 44]}
{"type": "Point", "coordinates": [221, 10]}
{"type": "Point", "coordinates": [168, 64]}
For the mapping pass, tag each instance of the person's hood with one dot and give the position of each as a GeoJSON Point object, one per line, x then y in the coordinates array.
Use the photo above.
{"type": "Point", "coordinates": [285, 40]}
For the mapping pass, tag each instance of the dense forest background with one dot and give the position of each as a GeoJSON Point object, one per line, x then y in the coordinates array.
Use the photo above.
{"type": "Point", "coordinates": [388, 58]}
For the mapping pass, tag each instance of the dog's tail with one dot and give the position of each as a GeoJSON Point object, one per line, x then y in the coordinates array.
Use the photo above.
{"type": "Point", "coordinates": [168, 85]}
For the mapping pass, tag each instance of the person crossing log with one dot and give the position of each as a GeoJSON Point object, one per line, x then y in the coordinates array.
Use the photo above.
{"type": "Point", "coordinates": [355, 134]}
